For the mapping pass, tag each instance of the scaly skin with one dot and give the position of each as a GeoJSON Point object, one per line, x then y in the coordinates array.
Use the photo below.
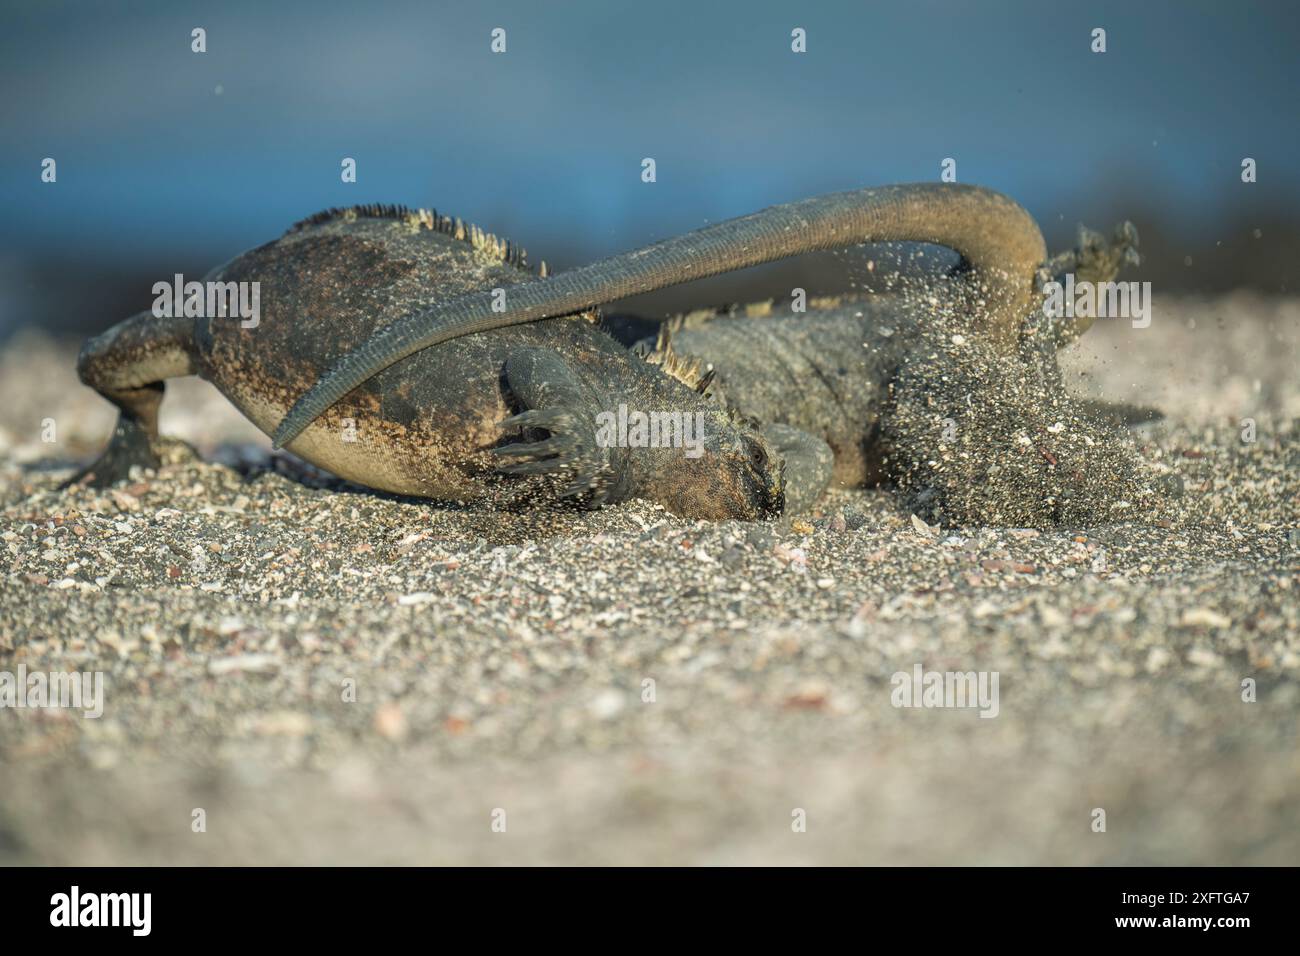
{"type": "Point", "coordinates": [826, 372]}
{"type": "Point", "coordinates": [997, 239]}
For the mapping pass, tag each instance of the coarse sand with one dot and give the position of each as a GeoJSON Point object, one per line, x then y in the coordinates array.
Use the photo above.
{"type": "Point", "coordinates": [299, 671]}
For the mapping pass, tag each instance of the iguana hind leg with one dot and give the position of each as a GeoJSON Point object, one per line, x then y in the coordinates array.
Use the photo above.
{"type": "Point", "coordinates": [127, 365]}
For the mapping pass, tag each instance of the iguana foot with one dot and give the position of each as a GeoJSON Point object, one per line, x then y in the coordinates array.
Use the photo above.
{"type": "Point", "coordinates": [809, 463]}
{"type": "Point", "coordinates": [1098, 259]}
{"type": "Point", "coordinates": [555, 400]}
{"type": "Point", "coordinates": [571, 449]}
{"type": "Point", "coordinates": [130, 447]}
{"type": "Point", "coordinates": [1094, 258]}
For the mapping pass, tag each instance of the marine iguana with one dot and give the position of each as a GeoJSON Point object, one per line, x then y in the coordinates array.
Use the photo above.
{"type": "Point", "coordinates": [431, 424]}
{"type": "Point", "coordinates": [431, 427]}
{"type": "Point", "coordinates": [893, 387]}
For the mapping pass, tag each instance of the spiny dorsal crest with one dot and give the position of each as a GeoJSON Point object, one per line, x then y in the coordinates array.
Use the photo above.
{"type": "Point", "coordinates": [430, 220]}
{"type": "Point", "coordinates": [690, 372]}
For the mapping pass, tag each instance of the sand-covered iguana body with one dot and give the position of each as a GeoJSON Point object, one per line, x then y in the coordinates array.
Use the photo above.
{"type": "Point", "coordinates": [900, 394]}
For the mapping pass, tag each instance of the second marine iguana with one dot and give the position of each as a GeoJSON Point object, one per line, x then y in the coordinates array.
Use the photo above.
{"type": "Point", "coordinates": [431, 425]}
{"type": "Point", "coordinates": [898, 392]}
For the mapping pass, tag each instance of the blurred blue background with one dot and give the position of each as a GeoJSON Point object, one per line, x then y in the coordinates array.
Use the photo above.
{"type": "Point", "coordinates": [173, 161]}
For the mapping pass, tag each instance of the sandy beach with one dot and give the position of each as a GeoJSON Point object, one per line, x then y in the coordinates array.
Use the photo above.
{"type": "Point", "coordinates": [334, 676]}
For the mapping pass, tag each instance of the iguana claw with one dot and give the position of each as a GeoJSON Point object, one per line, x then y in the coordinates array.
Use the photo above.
{"type": "Point", "coordinates": [564, 451]}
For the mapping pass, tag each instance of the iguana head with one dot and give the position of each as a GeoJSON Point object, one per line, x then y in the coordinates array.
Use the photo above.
{"type": "Point", "coordinates": [727, 471]}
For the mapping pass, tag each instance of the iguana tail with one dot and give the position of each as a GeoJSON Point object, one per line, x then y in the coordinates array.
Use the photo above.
{"type": "Point", "coordinates": [995, 236]}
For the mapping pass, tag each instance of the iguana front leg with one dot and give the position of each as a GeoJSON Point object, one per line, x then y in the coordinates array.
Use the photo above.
{"type": "Point", "coordinates": [995, 236]}
{"type": "Point", "coordinates": [127, 365]}
{"type": "Point", "coordinates": [809, 465]}
{"type": "Point", "coordinates": [556, 402]}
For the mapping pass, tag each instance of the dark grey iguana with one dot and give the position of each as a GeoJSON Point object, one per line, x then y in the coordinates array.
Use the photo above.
{"type": "Point", "coordinates": [900, 393]}
{"type": "Point", "coordinates": [431, 424]}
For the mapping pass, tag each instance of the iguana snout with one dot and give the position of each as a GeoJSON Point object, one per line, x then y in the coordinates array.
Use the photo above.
{"type": "Point", "coordinates": [736, 474]}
